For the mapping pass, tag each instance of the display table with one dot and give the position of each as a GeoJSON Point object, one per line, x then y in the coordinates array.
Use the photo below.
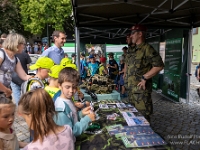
{"type": "Point", "coordinates": [112, 96]}
{"type": "Point", "coordinates": [104, 140]}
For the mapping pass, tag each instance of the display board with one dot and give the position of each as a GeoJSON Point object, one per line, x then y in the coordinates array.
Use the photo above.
{"type": "Point", "coordinates": [172, 69]}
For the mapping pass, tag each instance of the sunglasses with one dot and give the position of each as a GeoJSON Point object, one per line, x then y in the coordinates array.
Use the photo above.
{"type": "Point", "coordinates": [133, 32]}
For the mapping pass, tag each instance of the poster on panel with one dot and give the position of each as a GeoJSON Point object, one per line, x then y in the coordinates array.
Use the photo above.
{"type": "Point", "coordinates": [172, 69]}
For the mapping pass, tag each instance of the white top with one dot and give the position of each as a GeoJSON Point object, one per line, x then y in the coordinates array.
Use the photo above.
{"type": "Point", "coordinates": [63, 140]}
{"type": "Point", "coordinates": [60, 103]}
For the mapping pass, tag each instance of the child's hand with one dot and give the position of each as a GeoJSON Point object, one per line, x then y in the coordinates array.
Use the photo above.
{"type": "Point", "coordinates": [22, 144]}
{"type": "Point", "coordinates": [79, 104]}
{"type": "Point", "coordinates": [80, 95]}
{"type": "Point", "coordinates": [87, 103]}
{"type": "Point", "coordinates": [92, 116]}
{"type": "Point", "coordinates": [86, 111]}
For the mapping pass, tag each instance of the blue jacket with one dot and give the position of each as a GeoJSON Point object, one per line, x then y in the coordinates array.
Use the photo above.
{"type": "Point", "coordinates": [64, 116]}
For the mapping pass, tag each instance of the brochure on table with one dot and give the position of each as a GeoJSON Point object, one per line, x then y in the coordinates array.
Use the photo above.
{"type": "Point", "coordinates": [138, 133]}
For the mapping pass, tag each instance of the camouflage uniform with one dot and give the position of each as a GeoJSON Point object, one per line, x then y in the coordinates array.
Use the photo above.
{"type": "Point", "coordinates": [139, 61]}
{"type": "Point", "coordinates": [129, 51]}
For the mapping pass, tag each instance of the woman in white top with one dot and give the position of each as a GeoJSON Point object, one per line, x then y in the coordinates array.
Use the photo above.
{"type": "Point", "coordinates": [13, 44]}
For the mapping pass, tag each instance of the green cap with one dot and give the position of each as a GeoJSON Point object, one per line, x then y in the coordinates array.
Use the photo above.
{"type": "Point", "coordinates": [55, 70]}
{"type": "Point", "coordinates": [42, 62]}
{"type": "Point", "coordinates": [65, 61]}
{"type": "Point", "coordinates": [71, 66]}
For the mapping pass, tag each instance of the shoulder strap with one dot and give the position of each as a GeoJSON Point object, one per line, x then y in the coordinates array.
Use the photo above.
{"type": "Point", "coordinates": [16, 60]}
{"type": "Point", "coordinates": [4, 55]}
{"type": "Point", "coordinates": [56, 95]}
{"type": "Point", "coordinates": [25, 85]}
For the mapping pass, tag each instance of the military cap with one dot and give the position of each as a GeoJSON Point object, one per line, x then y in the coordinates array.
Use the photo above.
{"type": "Point", "coordinates": [139, 27]}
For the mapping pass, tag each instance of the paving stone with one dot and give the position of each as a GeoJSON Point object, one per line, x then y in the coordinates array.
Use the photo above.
{"type": "Point", "coordinates": [194, 147]}
{"type": "Point", "coordinates": [27, 140]}
{"type": "Point", "coordinates": [169, 130]}
{"type": "Point", "coordinates": [22, 137]}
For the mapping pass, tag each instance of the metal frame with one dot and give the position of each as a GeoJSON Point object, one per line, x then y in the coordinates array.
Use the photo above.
{"type": "Point", "coordinates": [77, 47]}
{"type": "Point", "coordinates": [156, 11]}
{"type": "Point", "coordinates": [153, 15]}
{"type": "Point", "coordinates": [189, 64]}
{"type": "Point", "coordinates": [87, 27]}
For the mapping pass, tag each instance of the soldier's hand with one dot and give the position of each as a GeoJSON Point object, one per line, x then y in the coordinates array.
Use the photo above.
{"type": "Point", "coordinates": [86, 111]}
{"type": "Point", "coordinates": [92, 116]}
{"type": "Point", "coordinates": [141, 85]}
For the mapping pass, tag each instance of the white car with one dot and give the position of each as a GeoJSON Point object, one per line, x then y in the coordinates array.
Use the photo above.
{"type": "Point", "coordinates": [34, 58]}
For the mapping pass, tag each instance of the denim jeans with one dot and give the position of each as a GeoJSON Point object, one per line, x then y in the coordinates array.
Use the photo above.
{"type": "Point", "coordinates": [16, 90]}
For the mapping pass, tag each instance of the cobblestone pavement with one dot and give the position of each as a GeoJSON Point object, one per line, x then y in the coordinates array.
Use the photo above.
{"type": "Point", "coordinates": [177, 123]}
{"type": "Point", "coordinates": [21, 129]}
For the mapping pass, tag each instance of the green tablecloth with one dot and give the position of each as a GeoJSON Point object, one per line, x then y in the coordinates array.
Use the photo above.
{"type": "Point", "coordinates": [104, 141]}
{"type": "Point", "coordinates": [112, 96]}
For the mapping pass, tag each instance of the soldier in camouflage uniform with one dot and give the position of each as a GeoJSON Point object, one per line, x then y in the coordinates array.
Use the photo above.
{"type": "Point", "coordinates": [131, 47]}
{"type": "Point", "coordinates": [142, 63]}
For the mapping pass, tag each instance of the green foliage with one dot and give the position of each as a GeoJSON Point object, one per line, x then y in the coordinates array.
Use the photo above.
{"type": "Point", "coordinates": [36, 14]}
{"type": "Point", "coordinates": [9, 16]}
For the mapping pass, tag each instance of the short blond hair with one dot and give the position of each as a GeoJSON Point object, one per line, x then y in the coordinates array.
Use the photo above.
{"type": "Point", "coordinates": [12, 41]}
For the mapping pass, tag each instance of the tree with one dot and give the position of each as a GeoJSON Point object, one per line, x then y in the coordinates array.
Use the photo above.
{"type": "Point", "coordinates": [37, 14]}
{"type": "Point", "coordinates": [9, 16]}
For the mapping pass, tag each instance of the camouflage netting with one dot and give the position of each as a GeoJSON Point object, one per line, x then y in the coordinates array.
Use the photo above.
{"type": "Point", "coordinates": [99, 84]}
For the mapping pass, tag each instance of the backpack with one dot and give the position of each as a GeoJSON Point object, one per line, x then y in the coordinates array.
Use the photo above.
{"type": "Point", "coordinates": [56, 95]}
{"type": "Point", "coordinates": [4, 55]}
{"type": "Point", "coordinates": [31, 84]}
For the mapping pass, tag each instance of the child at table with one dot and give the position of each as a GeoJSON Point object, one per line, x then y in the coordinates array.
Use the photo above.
{"type": "Point", "coordinates": [8, 138]}
{"type": "Point", "coordinates": [66, 112]}
{"type": "Point", "coordinates": [54, 91]}
{"type": "Point", "coordinates": [37, 108]}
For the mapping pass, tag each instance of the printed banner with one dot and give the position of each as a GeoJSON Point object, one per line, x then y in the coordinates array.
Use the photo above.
{"type": "Point", "coordinates": [172, 70]}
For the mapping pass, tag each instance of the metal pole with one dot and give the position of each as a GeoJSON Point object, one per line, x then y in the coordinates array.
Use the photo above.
{"type": "Point", "coordinates": [77, 34]}
{"type": "Point", "coordinates": [189, 64]}
{"type": "Point", "coordinates": [48, 35]}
